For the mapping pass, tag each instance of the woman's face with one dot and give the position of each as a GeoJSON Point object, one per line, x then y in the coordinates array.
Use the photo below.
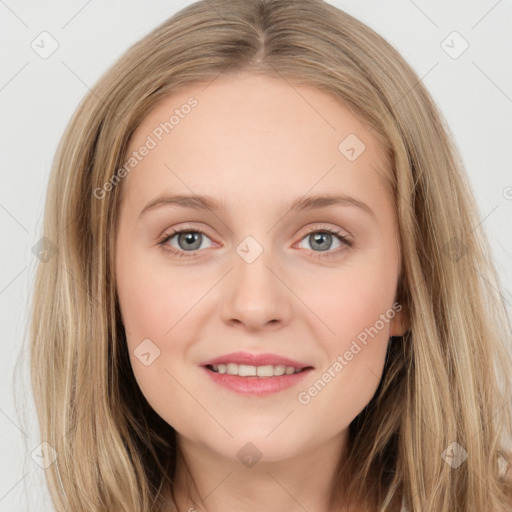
{"type": "Point", "coordinates": [261, 270]}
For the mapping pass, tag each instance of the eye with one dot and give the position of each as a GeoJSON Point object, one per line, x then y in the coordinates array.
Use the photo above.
{"type": "Point", "coordinates": [320, 239]}
{"type": "Point", "coordinates": [188, 240]}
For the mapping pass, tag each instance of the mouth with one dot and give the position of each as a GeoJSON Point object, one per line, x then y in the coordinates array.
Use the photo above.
{"type": "Point", "coordinates": [245, 370]}
{"type": "Point", "coordinates": [254, 374]}
{"type": "Point", "coordinates": [257, 381]}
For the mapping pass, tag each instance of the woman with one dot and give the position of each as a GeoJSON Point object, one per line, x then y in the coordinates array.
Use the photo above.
{"type": "Point", "coordinates": [255, 372]}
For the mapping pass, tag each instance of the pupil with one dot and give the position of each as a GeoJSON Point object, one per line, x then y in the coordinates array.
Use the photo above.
{"type": "Point", "coordinates": [317, 237]}
{"type": "Point", "coordinates": [191, 240]}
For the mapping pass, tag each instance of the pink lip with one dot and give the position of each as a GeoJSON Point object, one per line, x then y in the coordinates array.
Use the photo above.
{"type": "Point", "coordinates": [254, 360]}
{"type": "Point", "coordinates": [254, 385]}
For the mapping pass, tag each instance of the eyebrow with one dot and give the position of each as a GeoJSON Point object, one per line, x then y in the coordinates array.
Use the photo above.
{"type": "Point", "coordinates": [203, 202]}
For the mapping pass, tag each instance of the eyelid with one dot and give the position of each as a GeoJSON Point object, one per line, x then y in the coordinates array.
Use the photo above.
{"type": "Point", "coordinates": [182, 229]}
{"type": "Point", "coordinates": [322, 227]}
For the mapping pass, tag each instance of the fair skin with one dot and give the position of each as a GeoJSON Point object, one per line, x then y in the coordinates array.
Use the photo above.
{"type": "Point", "coordinates": [256, 144]}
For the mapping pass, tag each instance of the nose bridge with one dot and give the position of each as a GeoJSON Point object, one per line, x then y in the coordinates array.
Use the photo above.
{"type": "Point", "coordinates": [255, 296]}
{"type": "Point", "coordinates": [254, 257]}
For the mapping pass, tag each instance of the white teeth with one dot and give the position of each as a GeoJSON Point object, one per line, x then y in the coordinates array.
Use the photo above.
{"type": "Point", "coordinates": [232, 369]}
{"type": "Point", "coordinates": [245, 370]}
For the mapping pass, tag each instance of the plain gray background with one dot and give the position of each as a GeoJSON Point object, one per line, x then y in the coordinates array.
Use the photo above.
{"type": "Point", "coordinates": [38, 96]}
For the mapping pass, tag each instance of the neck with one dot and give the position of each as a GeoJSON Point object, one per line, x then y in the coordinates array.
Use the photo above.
{"type": "Point", "coordinates": [210, 482]}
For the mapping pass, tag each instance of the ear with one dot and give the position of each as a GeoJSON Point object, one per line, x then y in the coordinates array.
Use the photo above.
{"type": "Point", "coordinates": [399, 324]}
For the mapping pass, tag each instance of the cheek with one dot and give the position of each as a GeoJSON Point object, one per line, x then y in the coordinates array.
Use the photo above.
{"type": "Point", "coordinates": [353, 298]}
{"type": "Point", "coordinates": [153, 303]}
{"type": "Point", "coordinates": [355, 303]}
{"type": "Point", "coordinates": [357, 307]}
{"type": "Point", "coordinates": [158, 303]}
{"type": "Point", "coordinates": [153, 298]}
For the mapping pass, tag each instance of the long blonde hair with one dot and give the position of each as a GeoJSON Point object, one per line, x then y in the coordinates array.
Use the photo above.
{"type": "Point", "coordinates": [446, 381]}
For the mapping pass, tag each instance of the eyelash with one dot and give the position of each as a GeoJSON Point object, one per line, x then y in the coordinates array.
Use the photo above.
{"type": "Point", "coordinates": [319, 229]}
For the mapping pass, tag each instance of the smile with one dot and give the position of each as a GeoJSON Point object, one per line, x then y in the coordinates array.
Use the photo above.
{"type": "Point", "coordinates": [245, 370]}
{"type": "Point", "coordinates": [255, 380]}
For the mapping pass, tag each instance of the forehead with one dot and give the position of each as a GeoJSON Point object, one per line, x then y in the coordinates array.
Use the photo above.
{"type": "Point", "coordinates": [250, 132]}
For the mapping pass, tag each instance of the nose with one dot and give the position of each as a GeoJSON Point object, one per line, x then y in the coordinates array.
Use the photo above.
{"type": "Point", "coordinates": [255, 295]}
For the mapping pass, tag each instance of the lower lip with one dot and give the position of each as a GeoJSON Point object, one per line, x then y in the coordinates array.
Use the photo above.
{"type": "Point", "coordinates": [257, 386]}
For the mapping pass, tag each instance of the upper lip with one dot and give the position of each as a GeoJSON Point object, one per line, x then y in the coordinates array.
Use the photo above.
{"type": "Point", "coordinates": [254, 360]}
